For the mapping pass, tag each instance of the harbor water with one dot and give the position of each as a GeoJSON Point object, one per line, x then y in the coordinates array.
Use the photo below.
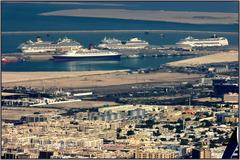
{"type": "Point", "coordinates": [20, 20]}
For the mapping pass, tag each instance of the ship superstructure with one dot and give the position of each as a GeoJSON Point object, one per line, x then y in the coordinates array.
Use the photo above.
{"type": "Point", "coordinates": [209, 42]}
{"type": "Point", "coordinates": [112, 43]}
{"type": "Point", "coordinates": [85, 54]}
{"type": "Point", "coordinates": [40, 46]}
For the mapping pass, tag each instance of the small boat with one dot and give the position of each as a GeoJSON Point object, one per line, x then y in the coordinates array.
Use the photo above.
{"type": "Point", "coordinates": [5, 60]}
{"type": "Point", "coordinates": [133, 56]}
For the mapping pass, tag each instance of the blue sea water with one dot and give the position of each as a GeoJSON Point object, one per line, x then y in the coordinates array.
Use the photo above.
{"type": "Point", "coordinates": [124, 63]}
{"type": "Point", "coordinates": [25, 17]}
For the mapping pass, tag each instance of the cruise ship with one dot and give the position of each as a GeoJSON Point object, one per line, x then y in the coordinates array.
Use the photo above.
{"type": "Point", "coordinates": [87, 54]}
{"type": "Point", "coordinates": [209, 42]}
{"type": "Point", "coordinates": [40, 46]}
{"type": "Point", "coordinates": [132, 44]}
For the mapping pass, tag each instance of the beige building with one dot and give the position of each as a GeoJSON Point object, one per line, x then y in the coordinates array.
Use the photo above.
{"type": "Point", "coordinates": [155, 154]}
{"type": "Point", "coordinates": [230, 98]}
{"type": "Point", "coordinates": [202, 153]}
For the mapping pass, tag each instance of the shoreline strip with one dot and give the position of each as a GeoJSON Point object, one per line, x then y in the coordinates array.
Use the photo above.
{"type": "Point", "coordinates": [116, 31]}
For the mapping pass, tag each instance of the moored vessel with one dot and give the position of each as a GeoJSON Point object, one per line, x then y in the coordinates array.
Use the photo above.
{"type": "Point", "coordinates": [87, 54]}
{"type": "Point", "coordinates": [5, 60]}
{"type": "Point", "coordinates": [40, 46]}
{"type": "Point", "coordinates": [208, 42]}
{"type": "Point", "coordinates": [115, 44]}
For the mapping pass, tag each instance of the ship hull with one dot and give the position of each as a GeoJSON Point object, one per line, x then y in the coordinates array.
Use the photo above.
{"type": "Point", "coordinates": [79, 58]}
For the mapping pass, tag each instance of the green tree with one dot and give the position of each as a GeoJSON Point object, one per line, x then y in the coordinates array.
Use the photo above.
{"type": "Point", "coordinates": [206, 123]}
{"type": "Point", "coordinates": [184, 142]}
{"type": "Point", "coordinates": [157, 133]}
{"type": "Point", "coordinates": [130, 133]}
{"type": "Point", "coordinates": [150, 123]}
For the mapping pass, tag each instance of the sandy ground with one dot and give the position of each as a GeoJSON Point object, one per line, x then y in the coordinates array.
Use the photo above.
{"type": "Point", "coordinates": [231, 56]}
{"type": "Point", "coordinates": [29, 76]}
{"type": "Point", "coordinates": [83, 104]}
{"type": "Point", "coordinates": [89, 80]}
{"type": "Point", "coordinates": [15, 113]}
{"type": "Point", "coordinates": [208, 99]}
{"type": "Point", "coordinates": [64, 3]}
{"type": "Point", "coordinates": [159, 15]}
{"type": "Point", "coordinates": [11, 94]}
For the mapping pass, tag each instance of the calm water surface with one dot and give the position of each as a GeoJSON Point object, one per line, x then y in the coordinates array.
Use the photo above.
{"type": "Point", "coordinates": [25, 17]}
{"type": "Point", "coordinates": [124, 63]}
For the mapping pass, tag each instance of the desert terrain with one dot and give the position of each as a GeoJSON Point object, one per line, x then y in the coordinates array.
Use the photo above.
{"type": "Point", "coordinates": [91, 79]}
{"type": "Point", "coordinates": [221, 57]}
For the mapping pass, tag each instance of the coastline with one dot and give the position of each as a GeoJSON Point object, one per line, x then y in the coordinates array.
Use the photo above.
{"type": "Point", "coordinates": [147, 15]}
{"type": "Point", "coordinates": [221, 57]}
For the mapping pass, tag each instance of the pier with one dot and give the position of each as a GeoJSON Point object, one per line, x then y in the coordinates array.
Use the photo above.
{"type": "Point", "coordinates": [26, 57]}
{"type": "Point", "coordinates": [152, 51]}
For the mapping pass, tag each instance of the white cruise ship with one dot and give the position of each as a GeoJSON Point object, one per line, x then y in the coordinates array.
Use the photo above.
{"type": "Point", "coordinates": [112, 43]}
{"type": "Point", "coordinates": [209, 42]}
{"type": "Point", "coordinates": [41, 46]}
{"type": "Point", "coordinates": [87, 54]}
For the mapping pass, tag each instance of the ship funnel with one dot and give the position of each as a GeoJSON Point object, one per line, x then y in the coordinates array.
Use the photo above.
{"type": "Point", "coordinates": [214, 36]}
{"type": "Point", "coordinates": [39, 39]}
{"type": "Point", "coordinates": [90, 46]}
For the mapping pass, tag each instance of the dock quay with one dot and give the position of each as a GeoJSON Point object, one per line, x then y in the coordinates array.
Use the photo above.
{"type": "Point", "coordinates": [151, 51]}
{"type": "Point", "coordinates": [140, 53]}
{"type": "Point", "coordinates": [27, 57]}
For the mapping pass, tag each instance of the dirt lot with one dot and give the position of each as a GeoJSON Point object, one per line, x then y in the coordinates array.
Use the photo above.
{"type": "Point", "coordinates": [90, 80]}
{"type": "Point", "coordinates": [83, 104]}
{"type": "Point", "coordinates": [15, 113]}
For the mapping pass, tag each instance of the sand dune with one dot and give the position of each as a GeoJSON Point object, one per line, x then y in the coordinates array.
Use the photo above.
{"type": "Point", "coordinates": [231, 56]}
{"type": "Point", "coordinates": [159, 15]}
